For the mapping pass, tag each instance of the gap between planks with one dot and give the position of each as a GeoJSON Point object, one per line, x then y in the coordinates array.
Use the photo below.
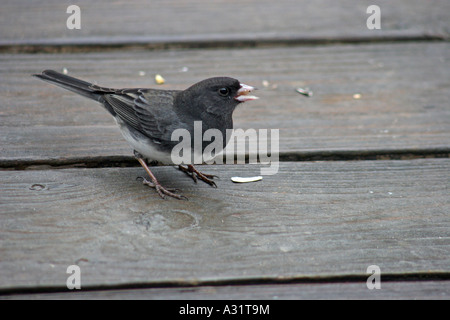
{"type": "Point", "coordinates": [197, 42]}
{"type": "Point", "coordinates": [329, 279]}
{"type": "Point", "coordinates": [324, 155]}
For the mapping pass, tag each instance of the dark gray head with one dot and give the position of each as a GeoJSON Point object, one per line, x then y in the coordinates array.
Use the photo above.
{"type": "Point", "coordinates": [217, 96]}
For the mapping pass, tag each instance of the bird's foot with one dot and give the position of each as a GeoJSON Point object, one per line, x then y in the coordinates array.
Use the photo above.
{"type": "Point", "coordinates": [161, 190]}
{"type": "Point", "coordinates": [195, 175]}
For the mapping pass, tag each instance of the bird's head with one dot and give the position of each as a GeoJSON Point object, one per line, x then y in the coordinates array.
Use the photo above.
{"type": "Point", "coordinates": [219, 95]}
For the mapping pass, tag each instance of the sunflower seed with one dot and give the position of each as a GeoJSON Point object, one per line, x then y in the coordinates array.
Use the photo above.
{"type": "Point", "coordinates": [246, 179]}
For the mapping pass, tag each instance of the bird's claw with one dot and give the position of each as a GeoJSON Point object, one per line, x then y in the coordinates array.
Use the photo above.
{"type": "Point", "coordinates": [195, 175]}
{"type": "Point", "coordinates": [163, 191]}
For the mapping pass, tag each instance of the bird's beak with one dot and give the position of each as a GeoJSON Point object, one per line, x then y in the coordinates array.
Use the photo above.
{"type": "Point", "coordinates": [243, 93]}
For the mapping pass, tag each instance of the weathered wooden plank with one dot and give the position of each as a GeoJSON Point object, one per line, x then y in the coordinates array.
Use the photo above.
{"type": "Point", "coordinates": [403, 104]}
{"type": "Point", "coordinates": [309, 220]}
{"type": "Point", "coordinates": [180, 21]}
{"type": "Point", "coordinates": [421, 290]}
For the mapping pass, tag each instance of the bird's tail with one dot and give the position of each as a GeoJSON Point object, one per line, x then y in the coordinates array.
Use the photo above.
{"type": "Point", "coordinates": [81, 87]}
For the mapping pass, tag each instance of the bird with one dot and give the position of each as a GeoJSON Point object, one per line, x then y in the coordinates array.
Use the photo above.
{"type": "Point", "coordinates": [147, 117]}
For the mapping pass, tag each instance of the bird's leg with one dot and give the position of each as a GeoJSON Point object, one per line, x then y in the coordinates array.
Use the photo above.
{"type": "Point", "coordinates": [195, 175]}
{"type": "Point", "coordinates": [154, 182]}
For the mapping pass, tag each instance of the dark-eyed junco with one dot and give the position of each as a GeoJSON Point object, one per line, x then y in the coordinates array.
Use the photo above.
{"type": "Point", "coordinates": [148, 117]}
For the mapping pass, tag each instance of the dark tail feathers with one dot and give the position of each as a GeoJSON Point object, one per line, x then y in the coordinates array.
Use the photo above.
{"type": "Point", "coordinates": [73, 84]}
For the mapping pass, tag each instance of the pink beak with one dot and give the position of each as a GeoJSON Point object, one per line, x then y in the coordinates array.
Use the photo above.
{"type": "Point", "coordinates": [243, 93]}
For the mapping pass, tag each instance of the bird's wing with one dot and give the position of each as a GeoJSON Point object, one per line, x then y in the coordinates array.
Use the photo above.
{"type": "Point", "coordinates": [149, 111]}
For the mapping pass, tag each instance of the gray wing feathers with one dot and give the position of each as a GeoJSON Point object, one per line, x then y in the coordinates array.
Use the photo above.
{"type": "Point", "coordinates": [146, 110]}
{"type": "Point", "coordinates": [123, 107]}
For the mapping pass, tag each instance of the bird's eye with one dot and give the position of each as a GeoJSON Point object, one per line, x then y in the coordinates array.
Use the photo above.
{"type": "Point", "coordinates": [224, 91]}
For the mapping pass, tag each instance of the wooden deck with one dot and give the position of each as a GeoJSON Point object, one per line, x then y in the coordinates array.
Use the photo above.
{"type": "Point", "coordinates": [363, 180]}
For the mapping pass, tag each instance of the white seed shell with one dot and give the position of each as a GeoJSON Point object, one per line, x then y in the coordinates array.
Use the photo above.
{"type": "Point", "coordinates": [246, 179]}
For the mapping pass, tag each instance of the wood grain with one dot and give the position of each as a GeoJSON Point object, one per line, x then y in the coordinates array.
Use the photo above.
{"type": "Point", "coordinates": [312, 219]}
{"type": "Point", "coordinates": [404, 92]}
{"type": "Point", "coordinates": [102, 22]}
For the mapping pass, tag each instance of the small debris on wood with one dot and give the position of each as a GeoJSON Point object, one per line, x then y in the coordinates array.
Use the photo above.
{"type": "Point", "coordinates": [246, 179]}
{"type": "Point", "coordinates": [305, 91]}
{"type": "Point", "coordinates": [37, 186]}
{"type": "Point", "coordinates": [159, 79]}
